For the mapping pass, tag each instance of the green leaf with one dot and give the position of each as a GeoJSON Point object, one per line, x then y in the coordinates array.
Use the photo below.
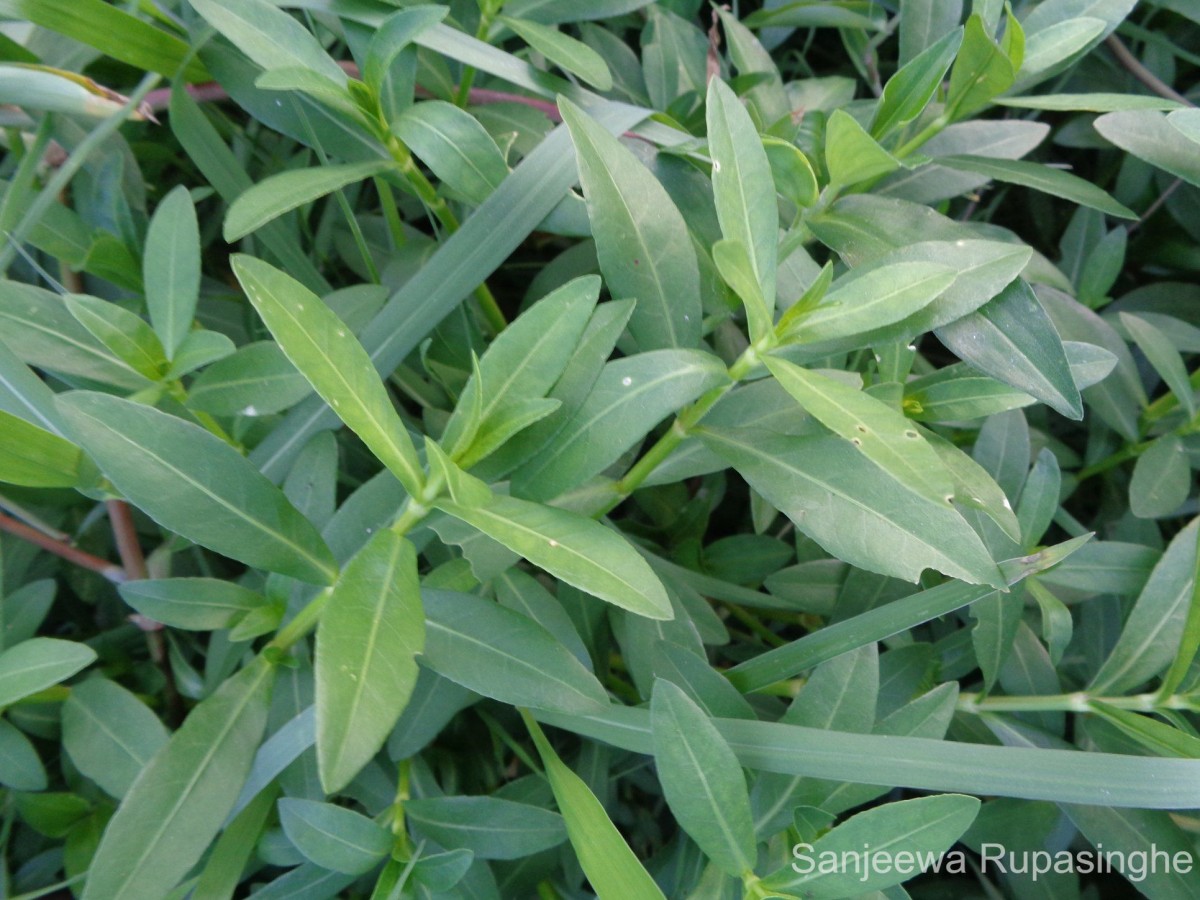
{"type": "Point", "coordinates": [198, 349]}
{"type": "Point", "coordinates": [337, 366]}
{"type": "Point", "coordinates": [257, 380]}
{"type": "Point", "coordinates": [524, 361]}
{"type": "Point", "coordinates": [333, 837]}
{"type": "Point", "coordinates": [1152, 631]}
{"type": "Point", "coordinates": [38, 663]}
{"type": "Point", "coordinates": [1149, 135]}
{"type": "Point", "coordinates": [924, 22]}
{"type": "Point", "coordinates": [195, 484]}
{"type": "Point", "coordinates": [564, 51]}
{"type": "Point", "coordinates": [1098, 102]}
{"type": "Point", "coordinates": [178, 803]}
{"type": "Point", "coordinates": [171, 268]}
{"type": "Point", "coordinates": [743, 186]}
{"type": "Point", "coordinates": [702, 781]}
{"type": "Point", "coordinates": [195, 604]}
{"type": "Point", "coordinates": [33, 457]}
{"type": "Point", "coordinates": [39, 329]}
{"type": "Point", "coordinates": [909, 91]}
{"type": "Point", "coordinates": [393, 36]}
{"type": "Point", "coordinates": [793, 173]}
{"type": "Point", "coordinates": [1047, 47]}
{"type": "Point", "coordinates": [852, 155]}
{"type": "Point", "coordinates": [504, 655]}
{"type": "Point", "coordinates": [1151, 835]}
{"type": "Point", "coordinates": [869, 297]}
{"type": "Point", "coordinates": [272, 197]}
{"type": "Point", "coordinates": [1157, 737]}
{"type": "Point", "coordinates": [269, 36]}
{"type": "Point", "coordinates": [110, 734]}
{"type": "Point", "coordinates": [1161, 353]}
{"type": "Point", "coordinates": [128, 338]}
{"type": "Point", "coordinates": [610, 866]}
{"type": "Point", "coordinates": [369, 633]}
{"type": "Point", "coordinates": [25, 396]}
{"type": "Point", "coordinates": [641, 238]}
{"type": "Point", "coordinates": [455, 146]}
{"type": "Point", "coordinates": [1162, 479]}
{"type": "Point", "coordinates": [854, 509]}
{"type": "Point", "coordinates": [924, 827]}
{"type": "Point", "coordinates": [884, 436]}
{"type": "Point", "coordinates": [575, 549]}
{"type": "Point", "coordinates": [1054, 182]}
{"type": "Point", "coordinates": [20, 767]}
{"type": "Point", "coordinates": [631, 396]}
{"type": "Point", "coordinates": [981, 72]}
{"type": "Point", "coordinates": [490, 827]}
{"type": "Point", "coordinates": [974, 488]}
{"type": "Point", "coordinates": [737, 270]}
{"type": "Point", "coordinates": [1012, 338]}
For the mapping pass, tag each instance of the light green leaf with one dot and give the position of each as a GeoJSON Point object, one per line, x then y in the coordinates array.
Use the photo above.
{"type": "Point", "coordinates": [198, 349]}
{"type": "Point", "coordinates": [38, 663]}
{"type": "Point", "coordinates": [974, 488]}
{"type": "Point", "coordinates": [981, 72]}
{"type": "Point", "coordinates": [743, 186]}
{"type": "Point", "coordinates": [257, 380]}
{"type": "Point", "coordinates": [870, 297]}
{"type": "Point", "coordinates": [854, 509]}
{"type": "Point", "coordinates": [1048, 47]}
{"type": "Point", "coordinates": [926, 826]}
{"type": "Point", "coordinates": [1054, 182]}
{"type": "Point", "coordinates": [737, 270]}
{"type": "Point", "coordinates": [171, 268]}
{"type": "Point", "coordinates": [852, 155]}
{"type": "Point", "coordinates": [322, 348]}
{"type": "Point", "coordinates": [178, 803]}
{"type": "Point", "coordinates": [490, 827]}
{"type": "Point", "coordinates": [128, 338]}
{"type": "Point", "coordinates": [909, 91]}
{"type": "Point", "coordinates": [272, 197]}
{"type": "Point", "coordinates": [631, 396]}
{"type": "Point", "coordinates": [578, 550]}
{"type": "Point", "coordinates": [641, 238]}
{"type": "Point", "coordinates": [884, 435]}
{"type": "Point", "coordinates": [25, 396]}
{"type": "Point", "coordinates": [334, 837]}
{"type": "Point", "coordinates": [455, 147]}
{"type": "Point", "coordinates": [702, 781]}
{"type": "Point", "coordinates": [34, 457]}
{"type": "Point", "coordinates": [793, 173]}
{"type": "Point", "coordinates": [269, 36]}
{"type": "Point", "coordinates": [195, 484]}
{"type": "Point", "coordinates": [110, 734]}
{"type": "Point", "coordinates": [610, 866]}
{"type": "Point", "coordinates": [504, 655]}
{"type": "Point", "coordinates": [564, 51]}
{"type": "Point", "coordinates": [368, 636]}
{"type": "Point", "coordinates": [198, 604]}
{"type": "Point", "coordinates": [1162, 479]}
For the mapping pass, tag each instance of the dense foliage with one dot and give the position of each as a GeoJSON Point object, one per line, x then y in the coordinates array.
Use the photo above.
{"type": "Point", "coordinates": [567, 447]}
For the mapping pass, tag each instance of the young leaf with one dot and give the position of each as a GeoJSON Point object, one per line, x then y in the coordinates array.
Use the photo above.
{"type": "Point", "coordinates": [334, 362]}
{"type": "Point", "coordinates": [129, 338]}
{"type": "Point", "coordinates": [909, 91]}
{"type": "Point", "coordinates": [702, 780]}
{"type": "Point", "coordinates": [884, 435]}
{"type": "Point", "coordinates": [793, 173]}
{"type": "Point", "coordinates": [981, 72]}
{"type": "Point", "coordinates": [333, 837]}
{"type": "Point", "coordinates": [642, 239]}
{"type": "Point", "coordinates": [272, 197]}
{"type": "Point", "coordinates": [454, 145]}
{"type": "Point", "coordinates": [504, 655]}
{"type": "Point", "coordinates": [743, 187]}
{"type": "Point", "coordinates": [369, 633]}
{"type": "Point", "coordinates": [852, 155]}
{"type": "Point", "coordinates": [195, 484]}
{"type": "Point", "coordinates": [38, 663]}
{"type": "Point", "coordinates": [737, 270]}
{"type": "Point", "coordinates": [564, 51]}
{"type": "Point", "coordinates": [853, 508]}
{"type": "Point", "coordinates": [176, 806]}
{"type": "Point", "coordinates": [171, 268]}
{"type": "Point", "coordinates": [578, 550]}
{"type": "Point", "coordinates": [609, 864]}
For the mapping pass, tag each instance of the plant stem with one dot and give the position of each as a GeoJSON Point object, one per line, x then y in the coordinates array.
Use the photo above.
{"type": "Point", "coordinates": [111, 571]}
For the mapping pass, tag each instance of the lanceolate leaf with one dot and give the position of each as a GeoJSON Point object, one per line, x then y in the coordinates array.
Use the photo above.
{"type": "Point", "coordinates": [322, 348]}
{"type": "Point", "coordinates": [369, 634]}
{"type": "Point", "coordinates": [853, 508]}
{"type": "Point", "coordinates": [196, 485]}
{"type": "Point", "coordinates": [578, 550]}
{"type": "Point", "coordinates": [177, 805]}
{"type": "Point", "coordinates": [172, 268]}
{"type": "Point", "coordinates": [38, 663]}
{"type": "Point", "coordinates": [641, 238]}
{"type": "Point", "coordinates": [34, 457]}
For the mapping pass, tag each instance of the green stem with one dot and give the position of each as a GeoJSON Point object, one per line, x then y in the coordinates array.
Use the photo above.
{"type": "Point", "coordinates": [391, 213]}
{"type": "Point", "coordinates": [303, 622]}
{"type": "Point", "coordinates": [917, 140]}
